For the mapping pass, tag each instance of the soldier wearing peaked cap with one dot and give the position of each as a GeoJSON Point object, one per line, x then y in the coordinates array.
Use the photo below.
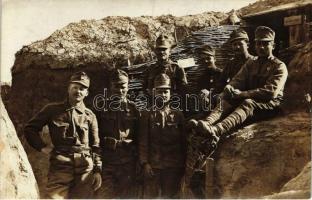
{"type": "Point", "coordinates": [165, 65]}
{"type": "Point", "coordinates": [239, 41]}
{"type": "Point", "coordinates": [257, 88]}
{"type": "Point", "coordinates": [207, 81]}
{"type": "Point", "coordinates": [75, 162]}
{"type": "Point", "coordinates": [162, 144]}
{"type": "Point", "coordinates": [118, 138]}
{"type": "Point", "coordinates": [211, 73]}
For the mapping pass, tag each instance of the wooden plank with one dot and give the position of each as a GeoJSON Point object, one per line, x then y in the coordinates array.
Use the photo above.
{"type": "Point", "coordinates": [293, 20]}
{"type": "Point", "coordinates": [295, 35]}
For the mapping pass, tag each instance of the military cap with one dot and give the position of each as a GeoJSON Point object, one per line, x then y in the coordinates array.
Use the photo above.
{"type": "Point", "coordinates": [119, 76]}
{"type": "Point", "coordinates": [81, 78]}
{"type": "Point", "coordinates": [163, 42]}
{"type": "Point", "coordinates": [205, 49]}
{"type": "Point", "coordinates": [162, 81]}
{"type": "Point", "coordinates": [238, 34]}
{"type": "Point", "coordinates": [264, 33]}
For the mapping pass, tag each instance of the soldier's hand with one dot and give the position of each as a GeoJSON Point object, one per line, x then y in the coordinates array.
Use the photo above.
{"type": "Point", "coordinates": [214, 141]}
{"type": "Point", "coordinates": [110, 143]}
{"type": "Point", "coordinates": [228, 91]}
{"type": "Point", "coordinates": [201, 126]}
{"type": "Point", "coordinates": [236, 93]}
{"type": "Point", "coordinates": [148, 171]}
{"type": "Point", "coordinates": [47, 150]}
{"type": "Point", "coordinates": [191, 124]}
{"type": "Point", "coordinates": [97, 181]}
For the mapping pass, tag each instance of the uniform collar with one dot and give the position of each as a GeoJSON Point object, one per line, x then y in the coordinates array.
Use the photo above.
{"type": "Point", "coordinates": [211, 67]}
{"type": "Point", "coordinates": [242, 57]}
{"type": "Point", "coordinates": [80, 107]}
{"type": "Point", "coordinates": [164, 63]}
{"type": "Point", "coordinates": [166, 109]}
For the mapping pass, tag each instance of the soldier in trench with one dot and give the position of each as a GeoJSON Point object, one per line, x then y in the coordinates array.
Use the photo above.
{"type": "Point", "coordinates": [257, 89]}
{"type": "Point", "coordinates": [75, 162]}
{"type": "Point", "coordinates": [118, 138]}
{"type": "Point", "coordinates": [165, 65]}
{"type": "Point", "coordinates": [239, 41]}
{"type": "Point", "coordinates": [162, 144]}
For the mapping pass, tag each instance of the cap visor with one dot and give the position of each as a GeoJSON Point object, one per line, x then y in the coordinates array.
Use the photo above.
{"type": "Point", "coordinates": [238, 38]}
{"type": "Point", "coordinates": [162, 47]}
{"type": "Point", "coordinates": [207, 53]}
{"type": "Point", "coordinates": [264, 39]}
{"type": "Point", "coordinates": [163, 87]}
{"type": "Point", "coordinates": [81, 83]}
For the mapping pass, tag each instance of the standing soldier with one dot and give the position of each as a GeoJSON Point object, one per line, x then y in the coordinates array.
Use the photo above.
{"type": "Point", "coordinates": [118, 129]}
{"type": "Point", "coordinates": [166, 66]}
{"type": "Point", "coordinates": [162, 144]}
{"type": "Point", "coordinates": [74, 133]}
{"type": "Point", "coordinates": [240, 41]}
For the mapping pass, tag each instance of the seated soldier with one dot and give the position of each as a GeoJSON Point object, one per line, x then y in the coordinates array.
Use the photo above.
{"type": "Point", "coordinates": [258, 86]}
{"type": "Point", "coordinates": [239, 41]}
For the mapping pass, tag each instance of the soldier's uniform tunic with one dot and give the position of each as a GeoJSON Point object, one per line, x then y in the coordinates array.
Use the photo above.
{"type": "Point", "coordinates": [119, 157]}
{"type": "Point", "coordinates": [235, 63]}
{"type": "Point", "coordinates": [263, 80]}
{"type": "Point", "coordinates": [173, 70]}
{"type": "Point", "coordinates": [162, 145]}
{"type": "Point", "coordinates": [231, 69]}
{"type": "Point", "coordinates": [210, 78]}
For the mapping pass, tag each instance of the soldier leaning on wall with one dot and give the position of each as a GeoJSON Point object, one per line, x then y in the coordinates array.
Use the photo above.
{"type": "Point", "coordinates": [118, 139]}
{"type": "Point", "coordinates": [75, 161]}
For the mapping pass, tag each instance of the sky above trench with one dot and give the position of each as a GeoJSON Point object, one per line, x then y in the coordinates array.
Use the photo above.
{"type": "Point", "coordinates": [26, 21]}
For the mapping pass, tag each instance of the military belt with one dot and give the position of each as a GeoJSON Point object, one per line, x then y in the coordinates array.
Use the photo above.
{"type": "Point", "coordinates": [72, 149]}
{"type": "Point", "coordinates": [112, 143]}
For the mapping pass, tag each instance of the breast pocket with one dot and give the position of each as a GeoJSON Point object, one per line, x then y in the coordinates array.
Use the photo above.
{"type": "Point", "coordinates": [59, 129]}
{"type": "Point", "coordinates": [172, 125]}
{"type": "Point", "coordinates": [130, 121]}
{"type": "Point", "coordinates": [173, 128]}
{"type": "Point", "coordinates": [172, 133]}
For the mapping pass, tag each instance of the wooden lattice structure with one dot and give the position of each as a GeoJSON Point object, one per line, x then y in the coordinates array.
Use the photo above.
{"type": "Point", "coordinates": [217, 37]}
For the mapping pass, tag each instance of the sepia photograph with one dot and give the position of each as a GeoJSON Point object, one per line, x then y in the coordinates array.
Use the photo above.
{"type": "Point", "coordinates": [156, 99]}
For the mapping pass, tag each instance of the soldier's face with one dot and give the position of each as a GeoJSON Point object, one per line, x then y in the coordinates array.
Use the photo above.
{"type": "Point", "coordinates": [162, 94]}
{"type": "Point", "coordinates": [264, 48]}
{"type": "Point", "coordinates": [77, 92]}
{"type": "Point", "coordinates": [162, 54]}
{"type": "Point", "coordinates": [239, 46]}
{"type": "Point", "coordinates": [207, 60]}
{"type": "Point", "coordinates": [119, 89]}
